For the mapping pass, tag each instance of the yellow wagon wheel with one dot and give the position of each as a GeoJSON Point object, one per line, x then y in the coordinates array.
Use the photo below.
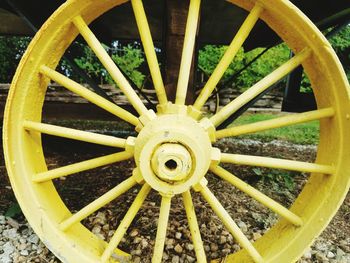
{"type": "Point", "coordinates": [173, 150]}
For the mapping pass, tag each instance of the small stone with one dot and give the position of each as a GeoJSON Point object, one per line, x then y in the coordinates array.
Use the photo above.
{"type": "Point", "coordinates": [178, 249]}
{"type": "Point", "coordinates": [330, 254]}
{"type": "Point", "coordinates": [96, 230]}
{"type": "Point", "coordinates": [137, 240]}
{"type": "Point", "coordinates": [2, 220]}
{"type": "Point", "coordinates": [134, 233]}
{"type": "Point", "coordinates": [214, 247]}
{"type": "Point", "coordinates": [340, 252]}
{"type": "Point", "coordinates": [13, 223]}
{"type": "Point", "coordinates": [144, 243]}
{"type": "Point", "coordinates": [226, 251]}
{"type": "Point", "coordinates": [10, 233]}
{"type": "Point", "coordinates": [22, 246]}
{"type": "Point", "coordinates": [190, 259]}
{"type": "Point", "coordinates": [242, 226]}
{"type": "Point", "coordinates": [137, 260]}
{"type": "Point", "coordinates": [8, 248]}
{"type": "Point", "coordinates": [222, 240]}
{"type": "Point", "coordinates": [307, 254]}
{"type": "Point", "coordinates": [175, 259]}
{"type": "Point", "coordinates": [100, 219]}
{"type": "Point", "coordinates": [189, 247]}
{"type": "Point", "coordinates": [321, 257]}
{"type": "Point", "coordinates": [178, 235]}
{"type": "Point", "coordinates": [170, 243]}
{"type": "Point", "coordinates": [24, 253]}
{"type": "Point", "coordinates": [34, 239]}
{"type": "Point", "coordinates": [136, 252]}
{"type": "Point", "coordinates": [256, 236]}
{"type": "Point", "coordinates": [206, 248]}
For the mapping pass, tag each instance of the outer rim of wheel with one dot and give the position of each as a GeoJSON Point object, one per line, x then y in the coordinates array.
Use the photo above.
{"type": "Point", "coordinates": [324, 193]}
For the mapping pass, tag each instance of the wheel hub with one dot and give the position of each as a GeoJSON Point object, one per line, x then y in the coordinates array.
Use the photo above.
{"type": "Point", "coordinates": [173, 152]}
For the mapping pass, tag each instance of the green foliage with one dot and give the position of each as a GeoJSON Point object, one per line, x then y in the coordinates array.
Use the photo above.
{"type": "Point", "coordinates": [267, 63]}
{"type": "Point", "coordinates": [13, 210]}
{"type": "Point", "coordinates": [130, 61]}
{"type": "Point", "coordinates": [277, 178]}
{"type": "Point", "coordinates": [11, 52]}
{"type": "Point", "coordinates": [210, 56]}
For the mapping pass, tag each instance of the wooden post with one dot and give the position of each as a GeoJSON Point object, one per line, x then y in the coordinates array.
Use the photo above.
{"type": "Point", "coordinates": [176, 16]}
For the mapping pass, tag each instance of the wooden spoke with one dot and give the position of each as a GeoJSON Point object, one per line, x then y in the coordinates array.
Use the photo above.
{"type": "Point", "coordinates": [89, 95]}
{"type": "Point", "coordinates": [124, 225]}
{"type": "Point", "coordinates": [146, 38]}
{"type": "Point", "coordinates": [81, 166]}
{"type": "Point", "coordinates": [161, 230]}
{"type": "Point", "coordinates": [194, 228]}
{"type": "Point", "coordinates": [230, 224]}
{"type": "Point", "coordinates": [109, 64]}
{"type": "Point", "coordinates": [257, 195]}
{"type": "Point", "coordinates": [187, 52]}
{"type": "Point", "coordinates": [276, 163]}
{"type": "Point", "coordinates": [98, 203]}
{"type": "Point", "coordinates": [259, 87]}
{"type": "Point", "coordinates": [74, 134]}
{"type": "Point", "coordinates": [276, 123]}
{"type": "Point", "coordinates": [229, 55]}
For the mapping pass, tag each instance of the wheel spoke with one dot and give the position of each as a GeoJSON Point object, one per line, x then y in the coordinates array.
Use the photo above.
{"type": "Point", "coordinates": [257, 195]}
{"type": "Point", "coordinates": [187, 52]}
{"type": "Point", "coordinates": [109, 64]}
{"type": "Point", "coordinates": [98, 203]}
{"type": "Point", "coordinates": [258, 88]}
{"type": "Point", "coordinates": [276, 163]}
{"type": "Point", "coordinates": [195, 232]}
{"type": "Point", "coordinates": [230, 224]}
{"type": "Point", "coordinates": [124, 225]}
{"type": "Point", "coordinates": [74, 134]}
{"type": "Point", "coordinates": [81, 166]}
{"type": "Point", "coordinates": [89, 95]}
{"type": "Point", "coordinates": [161, 230]}
{"type": "Point", "coordinates": [146, 38]}
{"type": "Point", "coordinates": [276, 123]}
{"type": "Point", "coordinates": [229, 55]}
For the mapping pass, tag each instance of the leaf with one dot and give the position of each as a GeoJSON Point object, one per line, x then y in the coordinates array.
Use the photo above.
{"type": "Point", "coordinates": [13, 210]}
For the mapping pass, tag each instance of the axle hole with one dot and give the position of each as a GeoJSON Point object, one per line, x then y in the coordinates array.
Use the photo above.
{"type": "Point", "coordinates": [171, 164]}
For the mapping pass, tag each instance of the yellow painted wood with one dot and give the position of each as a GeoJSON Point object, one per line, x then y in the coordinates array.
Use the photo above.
{"type": "Point", "coordinates": [276, 123]}
{"type": "Point", "coordinates": [89, 95]}
{"type": "Point", "coordinates": [98, 203]}
{"type": "Point", "coordinates": [161, 229]}
{"type": "Point", "coordinates": [74, 134]}
{"type": "Point", "coordinates": [125, 223]}
{"type": "Point", "coordinates": [229, 55]}
{"type": "Point", "coordinates": [258, 88]}
{"type": "Point", "coordinates": [146, 38]}
{"type": "Point", "coordinates": [194, 228]}
{"type": "Point", "coordinates": [44, 207]}
{"type": "Point", "coordinates": [276, 163]}
{"type": "Point", "coordinates": [109, 64]}
{"type": "Point", "coordinates": [230, 224]}
{"type": "Point", "coordinates": [187, 52]}
{"type": "Point", "coordinates": [257, 195]}
{"type": "Point", "coordinates": [81, 166]}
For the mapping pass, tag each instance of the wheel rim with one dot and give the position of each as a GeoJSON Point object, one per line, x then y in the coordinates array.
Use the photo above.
{"type": "Point", "coordinates": [193, 154]}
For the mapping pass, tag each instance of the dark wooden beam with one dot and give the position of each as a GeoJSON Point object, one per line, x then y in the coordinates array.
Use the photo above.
{"type": "Point", "coordinates": [176, 15]}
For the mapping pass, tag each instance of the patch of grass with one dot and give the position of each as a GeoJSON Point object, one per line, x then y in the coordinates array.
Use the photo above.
{"type": "Point", "coordinates": [305, 133]}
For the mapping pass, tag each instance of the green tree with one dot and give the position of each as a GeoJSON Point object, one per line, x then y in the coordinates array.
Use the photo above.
{"type": "Point", "coordinates": [11, 52]}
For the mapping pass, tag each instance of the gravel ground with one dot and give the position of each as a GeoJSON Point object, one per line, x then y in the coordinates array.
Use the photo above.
{"type": "Point", "coordinates": [18, 243]}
